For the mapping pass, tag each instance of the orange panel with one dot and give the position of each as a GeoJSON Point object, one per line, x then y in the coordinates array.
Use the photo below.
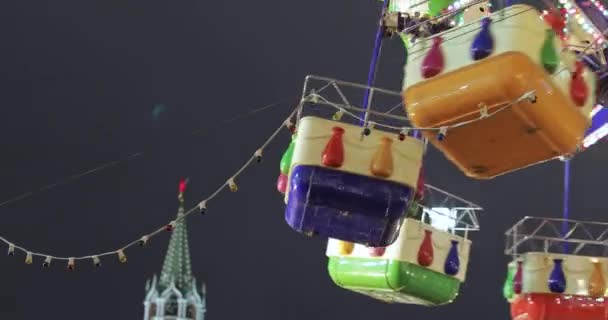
{"type": "Point", "coordinates": [519, 136]}
{"type": "Point", "coordinates": [544, 306]}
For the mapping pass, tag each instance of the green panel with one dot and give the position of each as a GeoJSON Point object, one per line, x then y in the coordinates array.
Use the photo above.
{"type": "Point", "coordinates": [394, 281]}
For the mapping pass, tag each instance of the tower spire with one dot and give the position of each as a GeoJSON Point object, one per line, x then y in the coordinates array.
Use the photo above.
{"type": "Point", "coordinates": [177, 269]}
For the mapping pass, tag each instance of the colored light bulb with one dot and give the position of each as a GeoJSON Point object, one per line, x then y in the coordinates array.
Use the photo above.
{"type": "Point", "coordinates": [29, 258]}
{"type": "Point", "coordinates": [71, 264]}
{"type": "Point", "coordinates": [47, 262]}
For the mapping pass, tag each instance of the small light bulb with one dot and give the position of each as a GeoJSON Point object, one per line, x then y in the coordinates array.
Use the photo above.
{"type": "Point", "coordinates": [96, 261]}
{"type": "Point", "coordinates": [121, 256]}
{"type": "Point", "coordinates": [142, 242]}
{"type": "Point", "coordinates": [442, 133]}
{"type": "Point", "coordinates": [258, 156]}
{"type": "Point", "coordinates": [29, 258]}
{"type": "Point", "coordinates": [171, 226]}
{"type": "Point", "coordinates": [71, 264]}
{"type": "Point", "coordinates": [290, 126]}
{"type": "Point", "coordinates": [338, 115]}
{"type": "Point", "coordinates": [11, 249]}
{"type": "Point", "coordinates": [232, 185]}
{"type": "Point", "coordinates": [47, 262]}
{"type": "Point", "coordinates": [203, 206]}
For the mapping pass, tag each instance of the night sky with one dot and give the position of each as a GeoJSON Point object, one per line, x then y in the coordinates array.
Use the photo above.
{"type": "Point", "coordinates": [79, 85]}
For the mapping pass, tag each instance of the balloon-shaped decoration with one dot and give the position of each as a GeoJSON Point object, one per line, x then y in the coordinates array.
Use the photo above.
{"type": "Point", "coordinates": [507, 288]}
{"type": "Point", "coordinates": [282, 183]}
{"type": "Point", "coordinates": [433, 63]}
{"type": "Point", "coordinates": [420, 186]}
{"type": "Point", "coordinates": [556, 21]}
{"type": "Point", "coordinates": [452, 262]}
{"type": "Point", "coordinates": [557, 278]}
{"type": "Point", "coordinates": [518, 278]}
{"type": "Point", "coordinates": [597, 282]}
{"type": "Point", "coordinates": [483, 43]}
{"type": "Point", "coordinates": [579, 92]}
{"type": "Point", "coordinates": [437, 6]}
{"type": "Point", "coordinates": [345, 247]}
{"type": "Point", "coordinates": [333, 154]}
{"type": "Point", "coordinates": [425, 252]}
{"type": "Point", "coordinates": [377, 251]}
{"type": "Point", "coordinates": [548, 53]}
{"type": "Point", "coordinates": [382, 161]}
{"type": "Point", "coordinates": [286, 158]}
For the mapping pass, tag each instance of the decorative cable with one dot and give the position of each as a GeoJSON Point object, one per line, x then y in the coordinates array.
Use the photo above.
{"type": "Point", "coordinates": [132, 156]}
{"type": "Point", "coordinates": [120, 253]}
{"type": "Point", "coordinates": [483, 113]}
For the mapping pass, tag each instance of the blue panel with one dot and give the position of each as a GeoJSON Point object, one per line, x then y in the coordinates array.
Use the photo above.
{"type": "Point", "coordinates": [346, 206]}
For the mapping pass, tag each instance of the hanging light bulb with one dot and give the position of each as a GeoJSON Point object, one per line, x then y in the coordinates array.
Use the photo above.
{"type": "Point", "coordinates": [338, 115]}
{"type": "Point", "coordinates": [121, 256]}
{"type": "Point", "coordinates": [290, 126]}
{"type": "Point", "coordinates": [258, 156]}
{"type": "Point", "coordinates": [29, 258]}
{"type": "Point", "coordinates": [232, 185]}
{"type": "Point", "coordinates": [368, 128]}
{"type": "Point", "coordinates": [96, 261]}
{"type": "Point", "coordinates": [71, 264]}
{"type": "Point", "coordinates": [443, 131]}
{"type": "Point", "coordinates": [203, 207]}
{"type": "Point", "coordinates": [403, 133]}
{"type": "Point", "coordinates": [47, 262]}
{"type": "Point", "coordinates": [11, 249]}
{"type": "Point", "coordinates": [142, 242]}
{"type": "Point", "coordinates": [171, 226]}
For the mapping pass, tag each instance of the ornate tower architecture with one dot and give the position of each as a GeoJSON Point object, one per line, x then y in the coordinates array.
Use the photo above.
{"type": "Point", "coordinates": [174, 294]}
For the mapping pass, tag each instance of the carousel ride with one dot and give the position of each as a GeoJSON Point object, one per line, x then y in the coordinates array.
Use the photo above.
{"type": "Point", "coordinates": [477, 92]}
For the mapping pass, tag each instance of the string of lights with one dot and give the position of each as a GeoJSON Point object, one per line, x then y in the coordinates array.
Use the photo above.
{"type": "Point", "coordinates": [133, 156]}
{"type": "Point", "coordinates": [120, 253]}
{"type": "Point", "coordinates": [442, 131]}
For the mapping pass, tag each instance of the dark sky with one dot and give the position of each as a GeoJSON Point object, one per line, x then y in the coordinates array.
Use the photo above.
{"type": "Point", "coordinates": [78, 84]}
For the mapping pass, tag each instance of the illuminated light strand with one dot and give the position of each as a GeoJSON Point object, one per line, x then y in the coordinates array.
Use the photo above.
{"type": "Point", "coordinates": [120, 253]}
{"type": "Point", "coordinates": [530, 96]}
{"type": "Point", "coordinates": [201, 207]}
{"type": "Point", "coordinates": [583, 21]}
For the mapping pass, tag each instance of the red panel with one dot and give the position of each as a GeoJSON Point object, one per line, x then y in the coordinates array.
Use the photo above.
{"type": "Point", "coordinates": [545, 306]}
